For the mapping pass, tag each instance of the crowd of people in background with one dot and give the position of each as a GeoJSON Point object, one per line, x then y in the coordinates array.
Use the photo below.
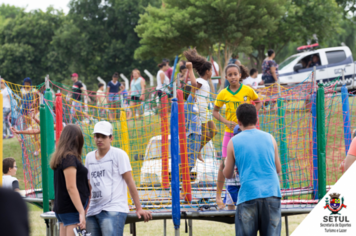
{"type": "Point", "coordinates": [94, 196]}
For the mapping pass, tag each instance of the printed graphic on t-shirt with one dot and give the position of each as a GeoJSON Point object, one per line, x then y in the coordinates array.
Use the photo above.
{"type": "Point", "coordinates": [101, 180]}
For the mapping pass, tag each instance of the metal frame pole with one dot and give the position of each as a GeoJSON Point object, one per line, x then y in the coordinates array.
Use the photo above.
{"type": "Point", "coordinates": [321, 140]}
{"type": "Point", "coordinates": [190, 225]}
{"type": "Point", "coordinates": [286, 222]}
{"type": "Point", "coordinates": [164, 227]}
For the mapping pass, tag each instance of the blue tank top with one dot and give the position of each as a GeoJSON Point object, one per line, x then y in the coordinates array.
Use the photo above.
{"type": "Point", "coordinates": [254, 158]}
{"type": "Point", "coordinates": [136, 88]}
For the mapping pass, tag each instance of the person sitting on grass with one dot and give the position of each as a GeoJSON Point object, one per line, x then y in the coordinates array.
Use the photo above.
{"type": "Point", "coordinates": [259, 198]}
{"type": "Point", "coordinates": [9, 169]}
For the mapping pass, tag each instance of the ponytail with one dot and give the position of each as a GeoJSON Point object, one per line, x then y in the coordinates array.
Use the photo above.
{"type": "Point", "coordinates": [242, 69]}
{"type": "Point", "coordinates": [162, 64]}
{"type": "Point", "coordinates": [199, 63]}
{"type": "Point", "coordinates": [116, 75]}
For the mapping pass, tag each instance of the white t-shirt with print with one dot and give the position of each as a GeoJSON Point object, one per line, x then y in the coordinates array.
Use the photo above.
{"type": "Point", "coordinates": [5, 96]}
{"type": "Point", "coordinates": [251, 81]}
{"type": "Point", "coordinates": [108, 187]}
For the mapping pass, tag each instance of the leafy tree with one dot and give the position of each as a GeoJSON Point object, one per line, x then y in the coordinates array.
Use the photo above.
{"type": "Point", "coordinates": [229, 25]}
{"type": "Point", "coordinates": [26, 50]}
{"type": "Point", "coordinates": [98, 38]}
{"type": "Point", "coordinates": [302, 20]}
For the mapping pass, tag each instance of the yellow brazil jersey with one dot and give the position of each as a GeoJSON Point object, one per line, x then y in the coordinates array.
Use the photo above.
{"type": "Point", "coordinates": [244, 94]}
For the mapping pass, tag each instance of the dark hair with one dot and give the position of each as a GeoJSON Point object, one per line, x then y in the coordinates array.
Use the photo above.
{"type": "Point", "coordinates": [7, 163]}
{"type": "Point", "coordinates": [182, 68]}
{"type": "Point", "coordinates": [246, 113]}
{"type": "Point", "coordinates": [70, 143]}
{"type": "Point", "coordinates": [162, 64]}
{"type": "Point", "coordinates": [186, 91]}
{"type": "Point", "coordinates": [100, 85]}
{"type": "Point", "coordinates": [270, 52]}
{"type": "Point", "coordinates": [115, 75]}
{"type": "Point", "coordinates": [242, 69]}
{"type": "Point", "coordinates": [199, 63]}
{"type": "Point", "coordinates": [184, 62]}
{"type": "Point", "coordinates": [253, 71]}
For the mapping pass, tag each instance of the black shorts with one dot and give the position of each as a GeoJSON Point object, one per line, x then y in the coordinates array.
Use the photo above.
{"type": "Point", "coordinates": [134, 98]}
{"type": "Point", "coordinates": [159, 93]}
{"type": "Point", "coordinates": [268, 79]}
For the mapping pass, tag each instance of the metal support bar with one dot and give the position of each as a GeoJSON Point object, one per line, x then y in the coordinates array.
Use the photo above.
{"type": "Point", "coordinates": [190, 225]}
{"type": "Point", "coordinates": [133, 229]}
{"type": "Point", "coordinates": [164, 227]}
{"type": "Point", "coordinates": [176, 232]}
{"type": "Point", "coordinates": [286, 222]}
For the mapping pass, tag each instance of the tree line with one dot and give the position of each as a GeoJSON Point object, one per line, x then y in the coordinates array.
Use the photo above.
{"type": "Point", "coordinates": [98, 38]}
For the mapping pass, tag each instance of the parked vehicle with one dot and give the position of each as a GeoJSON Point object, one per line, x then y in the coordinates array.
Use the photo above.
{"type": "Point", "coordinates": [203, 173]}
{"type": "Point", "coordinates": [332, 61]}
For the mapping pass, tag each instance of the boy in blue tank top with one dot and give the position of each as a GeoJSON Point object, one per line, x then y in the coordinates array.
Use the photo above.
{"type": "Point", "coordinates": [259, 197]}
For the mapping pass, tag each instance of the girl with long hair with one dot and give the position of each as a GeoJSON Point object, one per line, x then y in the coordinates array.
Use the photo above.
{"type": "Point", "coordinates": [137, 91]}
{"type": "Point", "coordinates": [232, 96]}
{"type": "Point", "coordinates": [70, 181]}
{"type": "Point", "coordinates": [204, 85]}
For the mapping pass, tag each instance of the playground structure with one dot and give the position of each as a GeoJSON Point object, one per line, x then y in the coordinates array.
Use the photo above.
{"type": "Point", "coordinates": [310, 124]}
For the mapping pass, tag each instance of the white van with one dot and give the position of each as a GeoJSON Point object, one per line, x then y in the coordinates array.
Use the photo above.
{"type": "Point", "coordinates": [203, 173]}
{"type": "Point", "coordinates": [332, 62]}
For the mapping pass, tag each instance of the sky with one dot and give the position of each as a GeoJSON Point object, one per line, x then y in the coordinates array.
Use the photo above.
{"type": "Point", "coordinates": [38, 4]}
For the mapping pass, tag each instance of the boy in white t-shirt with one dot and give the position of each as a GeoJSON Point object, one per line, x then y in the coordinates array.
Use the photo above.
{"type": "Point", "coordinates": [252, 80]}
{"type": "Point", "coordinates": [9, 170]}
{"type": "Point", "coordinates": [109, 175]}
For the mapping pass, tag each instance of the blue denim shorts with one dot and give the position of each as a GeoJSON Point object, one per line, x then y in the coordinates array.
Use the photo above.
{"type": "Point", "coordinates": [71, 218]}
{"type": "Point", "coordinates": [268, 79]}
{"type": "Point", "coordinates": [113, 97]}
{"type": "Point", "coordinates": [193, 149]}
{"type": "Point", "coordinates": [76, 106]}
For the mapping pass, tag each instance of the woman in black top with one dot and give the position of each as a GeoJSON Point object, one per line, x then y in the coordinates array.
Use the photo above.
{"type": "Point", "coordinates": [70, 181]}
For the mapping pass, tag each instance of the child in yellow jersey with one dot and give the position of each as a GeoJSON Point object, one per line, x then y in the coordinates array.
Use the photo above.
{"type": "Point", "coordinates": [232, 96]}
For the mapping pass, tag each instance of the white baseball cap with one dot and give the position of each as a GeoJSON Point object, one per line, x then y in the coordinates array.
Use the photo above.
{"type": "Point", "coordinates": [103, 127]}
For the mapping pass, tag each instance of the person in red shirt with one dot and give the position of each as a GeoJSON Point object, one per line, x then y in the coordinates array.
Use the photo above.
{"type": "Point", "coordinates": [168, 72]}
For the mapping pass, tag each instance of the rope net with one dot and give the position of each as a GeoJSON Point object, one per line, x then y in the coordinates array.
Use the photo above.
{"type": "Point", "coordinates": [141, 128]}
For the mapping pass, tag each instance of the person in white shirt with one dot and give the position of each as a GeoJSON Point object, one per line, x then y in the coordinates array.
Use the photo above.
{"type": "Point", "coordinates": [9, 171]}
{"type": "Point", "coordinates": [109, 176]}
{"type": "Point", "coordinates": [252, 80]}
{"type": "Point", "coordinates": [204, 83]}
{"type": "Point", "coordinates": [6, 102]}
{"type": "Point", "coordinates": [163, 80]}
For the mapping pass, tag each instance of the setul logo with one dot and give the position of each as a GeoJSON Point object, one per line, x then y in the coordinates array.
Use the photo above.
{"type": "Point", "coordinates": [335, 205]}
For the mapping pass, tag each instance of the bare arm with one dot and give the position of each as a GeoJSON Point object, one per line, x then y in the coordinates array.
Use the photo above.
{"type": "Point", "coordinates": [220, 118]}
{"type": "Point", "coordinates": [134, 194]}
{"type": "Point", "coordinates": [143, 86]}
{"type": "Point", "coordinates": [230, 161]}
{"type": "Point", "coordinates": [350, 159]}
{"type": "Point", "coordinates": [258, 104]}
{"type": "Point", "coordinates": [86, 94]}
{"type": "Point", "coordinates": [30, 132]}
{"type": "Point", "coordinates": [273, 71]}
{"type": "Point", "coordinates": [193, 80]}
{"type": "Point", "coordinates": [277, 160]}
{"type": "Point", "coordinates": [70, 175]}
